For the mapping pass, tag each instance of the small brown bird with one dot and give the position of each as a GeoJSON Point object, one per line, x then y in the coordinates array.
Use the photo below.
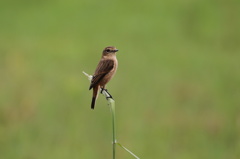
{"type": "Point", "coordinates": [105, 70]}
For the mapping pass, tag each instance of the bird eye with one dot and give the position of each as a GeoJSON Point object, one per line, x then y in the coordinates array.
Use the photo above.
{"type": "Point", "coordinates": [108, 50]}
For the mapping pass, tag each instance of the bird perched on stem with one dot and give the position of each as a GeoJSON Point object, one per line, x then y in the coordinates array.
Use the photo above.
{"type": "Point", "coordinates": [104, 72]}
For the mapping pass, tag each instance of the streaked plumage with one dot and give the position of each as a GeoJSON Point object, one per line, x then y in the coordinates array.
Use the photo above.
{"type": "Point", "coordinates": [105, 70]}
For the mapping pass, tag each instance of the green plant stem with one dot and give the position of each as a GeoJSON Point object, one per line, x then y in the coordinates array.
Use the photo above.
{"type": "Point", "coordinates": [127, 150]}
{"type": "Point", "coordinates": [111, 103]}
{"type": "Point", "coordinates": [112, 108]}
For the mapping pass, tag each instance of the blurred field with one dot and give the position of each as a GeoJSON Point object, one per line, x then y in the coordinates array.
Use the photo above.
{"type": "Point", "coordinates": [177, 89]}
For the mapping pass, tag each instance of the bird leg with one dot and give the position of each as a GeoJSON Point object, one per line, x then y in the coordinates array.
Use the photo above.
{"type": "Point", "coordinates": [102, 89]}
{"type": "Point", "coordinates": [108, 94]}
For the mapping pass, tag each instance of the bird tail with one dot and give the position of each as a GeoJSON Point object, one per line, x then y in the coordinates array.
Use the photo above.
{"type": "Point", "coordinates": [94, 97]}
{"type": "Point", "coordinates": [93, 102]}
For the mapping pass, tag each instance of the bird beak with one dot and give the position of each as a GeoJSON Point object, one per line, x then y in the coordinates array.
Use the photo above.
{"type": "Point", "coordinates": [116, 50]}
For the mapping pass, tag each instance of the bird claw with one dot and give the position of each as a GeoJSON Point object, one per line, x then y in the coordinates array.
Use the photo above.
{"type": "Point", "coordinates": [108, 94]}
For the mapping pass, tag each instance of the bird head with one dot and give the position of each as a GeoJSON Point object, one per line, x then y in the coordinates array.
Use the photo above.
{"type": "Point", "coordinates": [110, 50]}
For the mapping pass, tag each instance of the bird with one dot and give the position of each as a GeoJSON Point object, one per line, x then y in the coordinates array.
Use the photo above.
{"type": "Point", "coordinates": [104, 72]}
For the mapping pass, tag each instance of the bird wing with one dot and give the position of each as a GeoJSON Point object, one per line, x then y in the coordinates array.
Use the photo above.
{"type": "Point", "coordinates": [103, 68]}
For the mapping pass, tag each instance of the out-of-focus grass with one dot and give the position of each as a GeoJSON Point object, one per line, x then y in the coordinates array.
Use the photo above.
{"type": "Point", "coordinates": [177, 88]}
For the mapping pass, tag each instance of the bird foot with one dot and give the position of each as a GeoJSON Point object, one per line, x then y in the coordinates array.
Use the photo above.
{"type": "Point", "coordinates": [103, 90]}
{"type": "Point", "coordinates": [109, 95]}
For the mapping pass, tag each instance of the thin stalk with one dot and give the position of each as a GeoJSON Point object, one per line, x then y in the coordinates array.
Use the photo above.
{"type": "Point", "coordinates": [127, 150]}
{"type": "Point", "coordinates": [112, 108]}
{"type": "Point", "coordinates": [111, 103]}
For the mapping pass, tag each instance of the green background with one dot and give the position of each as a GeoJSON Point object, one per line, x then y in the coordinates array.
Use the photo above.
{"type": "Point", "coordinates": [177, 89]}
